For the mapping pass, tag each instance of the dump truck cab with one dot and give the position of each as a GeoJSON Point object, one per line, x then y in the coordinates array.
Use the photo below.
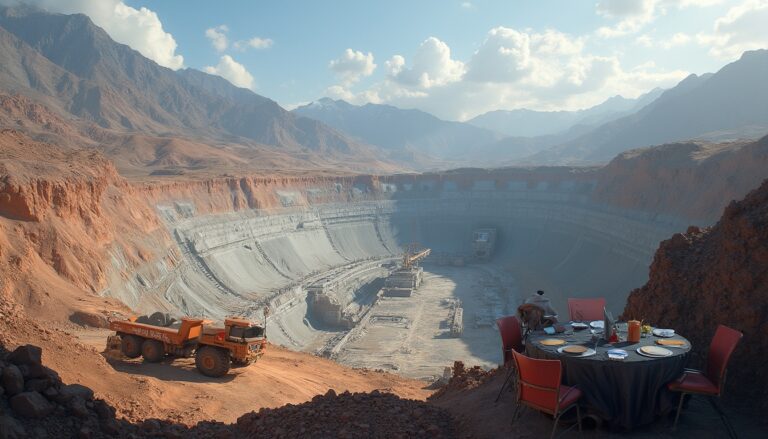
{"type": "Point", "coordinates": [244, 340]}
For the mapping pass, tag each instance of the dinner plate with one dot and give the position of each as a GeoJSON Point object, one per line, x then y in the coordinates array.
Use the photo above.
{"type": "Point", "coordinates": [589, 352]}
{"type": "Point", "coordinates": [654, 351]}
{"type": "Point", "coordinates": [658, 332]}
{"type": "Point", "coordinates": [552, 342]}
{"type": "Point", "coordinates": [574, 349]}
{"type": "Point", "coordinates": [597, 324]}
{"type": "Point", "coordinates": [579, 325]}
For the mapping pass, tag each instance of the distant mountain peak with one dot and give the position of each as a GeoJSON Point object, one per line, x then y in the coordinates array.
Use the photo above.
{"type": "Point", "coordinates": [73, 66]}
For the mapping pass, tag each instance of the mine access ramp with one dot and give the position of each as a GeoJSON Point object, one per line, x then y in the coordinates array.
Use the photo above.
{"type": "Point", "coordinates": [216, 349]}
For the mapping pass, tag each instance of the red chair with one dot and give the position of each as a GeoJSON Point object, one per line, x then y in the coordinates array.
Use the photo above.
{"type": "Point", "coordinates": [584, 310]}
{"type": "Point", "coordinates": [711, 381]}
{"type": "Point", "coordinates": [511, 340]}
{"type": "Point", "coordinates": [539, 388]}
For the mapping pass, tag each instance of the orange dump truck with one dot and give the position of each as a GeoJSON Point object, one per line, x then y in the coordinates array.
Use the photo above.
{"type": "Point", "coordinates": [216, 350]}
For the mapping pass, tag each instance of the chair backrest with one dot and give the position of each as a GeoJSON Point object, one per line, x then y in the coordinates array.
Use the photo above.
{"type": "Point", "coordinates": [586, 309]}
{"type": "Point", "coordinates": [539, 382]}
{"type": "Point", "coordinates": [511, 336]}
{"type": "Point", "coordinates": [720, 350]}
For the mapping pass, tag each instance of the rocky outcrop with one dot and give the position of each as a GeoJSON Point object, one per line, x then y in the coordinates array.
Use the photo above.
{"type": "Point", "coordinates": [719, 275]}
{"type": "Point", "coordinates": [693, 180]}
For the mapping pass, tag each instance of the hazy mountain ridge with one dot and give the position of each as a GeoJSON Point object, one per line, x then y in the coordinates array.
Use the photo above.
{"type": "Point", "coordinates": [399, 130]}
{"type": "Point", "coordinates": [73, 67]}
{"type": "Point", "coordinates": [727, 105]}
{"type": "Point", "coordinates": [532, 123]}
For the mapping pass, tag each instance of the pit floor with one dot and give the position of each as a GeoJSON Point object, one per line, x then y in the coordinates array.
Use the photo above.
{"type": "Point", "coordinates": [410, 336]}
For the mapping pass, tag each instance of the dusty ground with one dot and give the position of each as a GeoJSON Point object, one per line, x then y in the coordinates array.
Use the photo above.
{"type": "Point", "coordinates": [478, 416]}
{"type": "Point", "coordinates": [175, 391]}
{"type": "Point", "coordinates": [280, 377]}
{"type": "Point", "coordinates": [410, 335]}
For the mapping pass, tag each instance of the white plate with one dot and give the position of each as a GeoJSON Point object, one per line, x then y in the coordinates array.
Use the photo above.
{"type": "Point", "coordinates": [588, 353]}
{"type": "Point", "coordinates": [579, 325]}
{"type": "Point", "coordinates": [597, 324]}
{"type": "Point", "coordinates": [639, 351]}
{"type": "Point", "coordinates": [658, 332]}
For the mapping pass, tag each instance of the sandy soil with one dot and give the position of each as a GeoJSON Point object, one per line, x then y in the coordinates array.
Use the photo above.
{"type": "Point", "coordinates": [411, 336]}
{"type": "Point", "coordinates": [280, 377]}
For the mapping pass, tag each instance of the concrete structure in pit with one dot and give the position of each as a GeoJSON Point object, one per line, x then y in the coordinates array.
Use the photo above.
{"type": "Point", "coordinates": [320, 266]}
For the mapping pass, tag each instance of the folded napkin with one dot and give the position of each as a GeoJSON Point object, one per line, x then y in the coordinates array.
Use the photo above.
{"type": "Point", "coordinates": [617, 354]}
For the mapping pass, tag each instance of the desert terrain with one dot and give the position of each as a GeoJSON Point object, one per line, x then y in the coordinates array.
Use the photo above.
{"type": "Point", "coordinates": [129, 188]}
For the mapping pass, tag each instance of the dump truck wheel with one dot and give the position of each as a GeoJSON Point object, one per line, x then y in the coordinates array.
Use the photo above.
{"type": "Point", "coordinates": [130, 345]}
{"type": "Point", "coordinates": [212, 362]}
{"type": "Point", "coordinates": [152, 351]}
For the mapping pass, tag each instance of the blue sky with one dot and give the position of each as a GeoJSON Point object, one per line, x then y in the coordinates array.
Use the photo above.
{"type": "Point", "coordinates": [455, 59]}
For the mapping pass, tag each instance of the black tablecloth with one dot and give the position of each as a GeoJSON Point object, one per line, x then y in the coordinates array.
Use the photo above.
{"type": "Point", "coordinates": [624, 393]}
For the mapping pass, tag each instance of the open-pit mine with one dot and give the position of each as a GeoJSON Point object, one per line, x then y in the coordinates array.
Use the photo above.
{"type": "Point", "coordinates": [322, 265]}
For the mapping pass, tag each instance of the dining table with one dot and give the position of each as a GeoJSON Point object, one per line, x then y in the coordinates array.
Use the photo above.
{"type": "Point", "coordinates": [624, 393]}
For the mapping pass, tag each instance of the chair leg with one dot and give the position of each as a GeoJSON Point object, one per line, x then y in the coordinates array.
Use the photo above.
{"type": "Point", "coordinates": [679, 409]}
{"type": "Point", "coordinates": [723, 417]}
{"type": "Point", "coordinates": [516, 413]}
{"type": "Point", "coordinates": [554, 427]}
{"type": "Point", "coordinates": [578, 417]}
{"type": "Point", "coordinates": [503, 386]}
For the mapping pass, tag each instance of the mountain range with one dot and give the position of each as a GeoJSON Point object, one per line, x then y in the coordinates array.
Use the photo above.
{"type": "Point", "coordinates": [727, 105]}
{"type": "Point", "coordinates": [531, 123]}
{"type": "Point", "coordinates": [730, 104]}
{"type": "Point", "coordinates": [64, 79]}
{"type": "Point", "coordinates": [406, 133]}
{"type": "Point", "coordinates": [74, 69]}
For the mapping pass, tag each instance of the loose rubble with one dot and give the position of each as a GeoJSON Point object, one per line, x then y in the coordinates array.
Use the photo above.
{"type": "Point", "coordinates": [464, 379]}
{"type": "Point", "coordinates": [350, 415]}
{"type": "Point", "coordinates": [35, 403]}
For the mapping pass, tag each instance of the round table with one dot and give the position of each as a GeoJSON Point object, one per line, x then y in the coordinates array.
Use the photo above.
{"type": "Point", "coordinates": [625, 393]}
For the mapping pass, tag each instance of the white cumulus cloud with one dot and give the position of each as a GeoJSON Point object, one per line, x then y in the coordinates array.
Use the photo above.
{"type": "Point", "coordinates": [218, 37]}
{"type": "Point", "coordinates": [432, 66]}
{"type": "Point", "coordinates": [511, 68]}
{"type": "Point", "coordinates": [254, 43]}
{"type": "Point", "coordinates": [631, 16]}
{"type": "Point", "coordinates": [141, 29]}
{"type": "Point", "coordinates": [744, 27]}
{"type": "Point", "coordinates": [232, 71]}
{"type": "Point", "coordinates": [353, 65]}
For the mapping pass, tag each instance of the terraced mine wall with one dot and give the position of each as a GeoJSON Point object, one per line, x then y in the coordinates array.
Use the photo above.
{"type": "Point", "coordinates": [317, 261]}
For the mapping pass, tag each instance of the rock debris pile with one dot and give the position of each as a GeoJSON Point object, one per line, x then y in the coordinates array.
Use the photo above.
{"type": "Point", "coordinates": [464, 378]}
{"type": "Point", "coordinates": [350, 415]}
{"type": "Point", "coordinates": [35, 403]}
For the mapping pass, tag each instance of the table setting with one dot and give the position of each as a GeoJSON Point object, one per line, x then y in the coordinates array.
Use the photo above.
{"type": "Point", "coordinates": [624, 376]}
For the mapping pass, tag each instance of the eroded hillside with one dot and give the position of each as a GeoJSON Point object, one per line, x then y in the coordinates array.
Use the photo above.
{"type": "Point", "coordinates": [716, 275]}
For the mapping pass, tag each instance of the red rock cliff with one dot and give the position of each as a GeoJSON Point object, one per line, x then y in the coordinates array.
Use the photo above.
{"type": "Point", "coordinates": [716, 276]}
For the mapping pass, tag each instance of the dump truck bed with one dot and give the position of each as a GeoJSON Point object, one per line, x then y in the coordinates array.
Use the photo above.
{"type": "Point", "coordinates": [190, 329]}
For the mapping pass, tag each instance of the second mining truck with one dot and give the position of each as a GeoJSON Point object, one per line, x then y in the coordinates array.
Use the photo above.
{"type": "Point", "coordinates": [216, 349]}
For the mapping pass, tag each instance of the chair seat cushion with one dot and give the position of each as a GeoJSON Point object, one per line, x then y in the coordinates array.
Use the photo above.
{"type": "Point", "coordinates": [693, 383]}
{"type": "Point", "coordinates": [570, 398]}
